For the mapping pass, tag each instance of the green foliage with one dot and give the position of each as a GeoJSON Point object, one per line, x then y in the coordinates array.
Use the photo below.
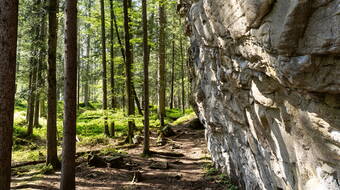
{"type": "Point", "coordinates": [174, 113]}
{"type": "Point", "coordinates": [94, 140]}
{"type": "Point", "coordinates": [188, 116]}
{"type": "Point", "coordinates": [46, 169]}
{"type": "Point", "coordinates": [29, 155]}
{"type": "Point", "coordinates": [111, 151]}
{"type": "Point", "coordinates": [214, 174]}
{"type": "Point", "coordinates": [90, 128]}
{"type": "Point", "coordinates": [224, 179]}
{"type": "Point", "coordinates": [20, 105]}
{"type": "Point", "coordinates": [210, 169]}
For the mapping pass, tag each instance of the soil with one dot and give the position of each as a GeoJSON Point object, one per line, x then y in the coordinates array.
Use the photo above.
{"type": "Point", "coordinates": [168, 173]}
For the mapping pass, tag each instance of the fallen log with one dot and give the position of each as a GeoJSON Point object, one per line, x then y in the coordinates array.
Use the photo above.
{"type": "Point", "coordinates": [171, 154]}
{"type": "Point", "coordinates": [29, 163]}
{"type": "Point", "coordinates": [21, 164]}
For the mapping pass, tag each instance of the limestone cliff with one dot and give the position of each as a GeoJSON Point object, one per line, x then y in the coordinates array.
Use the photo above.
{"type": "Point", "coordinates": [266, 85]}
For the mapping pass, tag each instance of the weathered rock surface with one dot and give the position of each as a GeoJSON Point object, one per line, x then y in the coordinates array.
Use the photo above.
{"type": "Point", "coordinates": [266, 84]}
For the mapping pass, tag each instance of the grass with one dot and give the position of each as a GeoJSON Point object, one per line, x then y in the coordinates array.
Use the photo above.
{"type": "Point", "coordinates": [213, 174]}
{"type": "Point", "coordinates": [188, 116]}
{"type": "Point", "coordinates": [90, 127]}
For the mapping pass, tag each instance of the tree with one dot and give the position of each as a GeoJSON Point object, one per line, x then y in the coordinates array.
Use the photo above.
{"type": "Point", "coordinates": [146, 149]}
{"type": "Point", "coordinates": [104, 78]}
{"type": "Point", "coordinates": [182, 72]}
{"type": "Point", "coordinates": [8, 46]}
{"type": "Point", "coordinates": [41, 63]}
{"type": "Point", "coordinates": [70, 97]}
{"type": "Point", "coordinates": [88, 62]}
{"type": "Point", "coordinates": [128, 72]}
{"type": "Point", "coordinates": [52, 157]}
{"type": "Point", "coordinates": [34, 65]}
{"type": "Point", "coordinates": [161, 64]}
{"type": "Point", "coordinates": [112, 71]}
{"type": "Point", "coordinates": [172, 74]}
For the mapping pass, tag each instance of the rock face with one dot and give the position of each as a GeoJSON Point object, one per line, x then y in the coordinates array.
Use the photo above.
{"type": "Point", "coordinates": [266, 84]}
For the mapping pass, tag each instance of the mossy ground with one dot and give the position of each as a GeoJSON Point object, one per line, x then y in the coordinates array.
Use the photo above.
{"type": "Point", "coordinates": [90, 128]}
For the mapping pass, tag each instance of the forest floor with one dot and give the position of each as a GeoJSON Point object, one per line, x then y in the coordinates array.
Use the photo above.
{"type": "Point", "coordinates": [187, 167]}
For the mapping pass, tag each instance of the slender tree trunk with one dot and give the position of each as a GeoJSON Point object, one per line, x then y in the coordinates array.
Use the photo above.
{"type": "Point", "coordinates": [182, 81]}
{"type": "Point", "coordinates": [161, 65]}
{"type": "Point", "coordinates": [78, 71]}
{"type": "Point", "coordinates": [104, 77]}
{"type": "Point", "coordinates": [182, 72]}
{"type": "Point", "coordinates": [118, 36]}
{"type": "Point", "coordinates": [29, 96]}
{"type": "Point", "coordinates": [139, 108]}
{"type": "Point", "coordinates": [112, 76]}
{"type": "Point", "coordinates": [122, 52]}
{"type": "Point", "coordinates": [172, 74]}
{"type": "Point", "coordinates": [42, 107]}
{"type": "Point", "coordinates": [52, 156]}
{"type": "Point", "coordinates": [123, 96]}
{"type": "Point", "coordinates": [8, 45]}
{"type": "Point", "coordinates": [146, 149]}
{"type": "Point", "coordinates": [70, 96]}
{"type": "Point", "coordinates": [128, 72]}
{"type": "Point", "coordinates": [36, 111]}
{"type": "Point", "coordinates": [32, 97]}
{"type": "Point", "coordinates": [41, 62]}
{"type": "Point", "coordinates": [87, 67]}
{"type": "Point", "coordinates": [34, 63]}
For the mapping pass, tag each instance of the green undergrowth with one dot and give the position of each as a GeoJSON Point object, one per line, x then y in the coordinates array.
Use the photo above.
{"type": "Point", "coordinates": [213, 174]}
{"type": "Point", "coordinates": [90, 127]}
{"type": "Point", "coordinates": [189, 115]}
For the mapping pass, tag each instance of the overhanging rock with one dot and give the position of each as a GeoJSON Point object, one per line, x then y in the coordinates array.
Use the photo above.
{"type": "Point", "coordinates": [266, 84]}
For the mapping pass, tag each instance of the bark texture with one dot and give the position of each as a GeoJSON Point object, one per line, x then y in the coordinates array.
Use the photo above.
{"type": "Point", "coordinates": [104, 72]}
{"type": "Point", "coordinates": [70, 96]}
{"type": "Point", "coordinates": [146, 148]}
{"type": "Point", "coordinates": [128, 72]}
{"type": "Point", "coordinates": [161, 64]}
{"type": "Point", "coordinates": [8, 45]}
{"type": "Point", "coordinates": [52, 155]}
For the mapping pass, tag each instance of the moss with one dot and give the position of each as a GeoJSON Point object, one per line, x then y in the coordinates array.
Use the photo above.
{"type": "Point", "coordinates": [189, 116]}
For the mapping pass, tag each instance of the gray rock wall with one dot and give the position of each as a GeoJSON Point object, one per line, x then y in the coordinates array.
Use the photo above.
{"type": "Point", "coordinates": [266, 84]}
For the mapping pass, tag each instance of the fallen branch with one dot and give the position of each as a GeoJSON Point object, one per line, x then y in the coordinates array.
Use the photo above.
{"type": "Point", "coordinates": [17, 165]}
{"type": "Point", "coordinates": [21, 164]}
{"type": "Point", "coordinates": [171, 154]}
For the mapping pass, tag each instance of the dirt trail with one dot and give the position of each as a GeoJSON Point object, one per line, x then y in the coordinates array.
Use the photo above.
{"type": "Point", "coordinates": [178, 172]}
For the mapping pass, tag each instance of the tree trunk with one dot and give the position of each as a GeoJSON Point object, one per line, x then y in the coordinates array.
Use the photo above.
{"type": "Point", "coordinates": [52, 156]}
{"type": "Point", "coordinates": [32, 97]}
{"type": "Point", "coordinates": [8, 45]}
{"type": "Point", "coordinates": [36, 111]}
{"type": "Point", "coordinates": [122, 52]}
{"type": "Point", "coordinates": [29, 95]}
{"type": "Point", "coordinates": [35, 45]}
{"type": "Point", "coordinates": [172, 74]}
{"type": "Point", "coordinates": [112, 76]}
{"type": "Point", "coordinates": [182, 72]}
{"type": "Point", "coordinates": [128, 72]}
{"type": "Point", "coordinates": [70, 96]}
{"type": "Point", "coordinates": [78, 71]}
{"type": "Point", "coordinates": [41, 62]}
{"type": "Point", "coordinates": [118, 36]}
{"type": "Point", "coordinates": [161, 65]}
{"type": "Point", "coordinates": [42, 107]}
{"type": "Point", "coordinates": [146, 149]}
{"type": "Point", "coordinates": [87, 67]}
{"type": "Point", "coordinates": [104, 78]}
{"type": "Point", "coordinates": [139, 108]}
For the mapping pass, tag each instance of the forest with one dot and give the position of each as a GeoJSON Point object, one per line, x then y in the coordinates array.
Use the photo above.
{"type": "Point", "coordinates": [86, 75]}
